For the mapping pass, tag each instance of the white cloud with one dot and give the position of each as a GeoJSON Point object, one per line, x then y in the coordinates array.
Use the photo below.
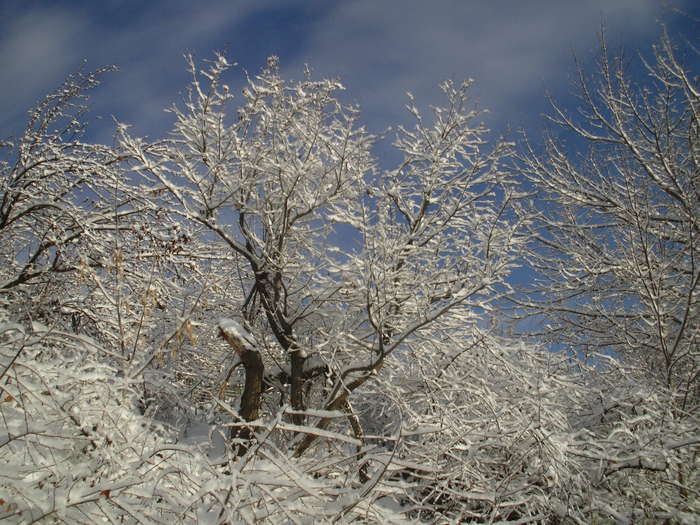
{"type": "Point", "coordinates": [379, 49]}
{"type": "Point", "coordinates": [37, 51]}
{"type": "Point", "coordinates": [512, 49]}
{"type": "Point", "coordinates": [39, 47]}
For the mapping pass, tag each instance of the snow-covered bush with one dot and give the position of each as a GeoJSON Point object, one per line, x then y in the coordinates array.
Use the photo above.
{"type": "Point", "coordinates": [640, 446]}
{"type": "Point", "coordinates": [486, 430]}
{"type": "Point", "coordinates": [74, 449]}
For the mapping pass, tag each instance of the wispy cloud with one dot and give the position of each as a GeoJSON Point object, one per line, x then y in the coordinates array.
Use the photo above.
{"type": "Point", "coordinates": [41, 45]}
{"type": "Point", "coordinates": [37, 50]}
{"type": "Point", "coordinates": [379, 49]}
{"type": "Point", "coordinates": [512, 49]}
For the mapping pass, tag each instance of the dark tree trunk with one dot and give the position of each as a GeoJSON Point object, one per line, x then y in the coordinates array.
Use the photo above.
{"type": "Point", "coordinates": [251, 399]}
{"type": "Point", "coordinates": [271, 295]}
{"type": "Point", "coordinates": [252, 392]}
{"type": "Point", "coordinates": [297, 388]}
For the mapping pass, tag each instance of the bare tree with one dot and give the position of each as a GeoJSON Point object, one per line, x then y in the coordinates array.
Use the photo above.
{"type": "Point", "coordinates": [55, 188]}
{"type": "Point", "coordinates": [276, 181]}
{"type": "Point", "coordinates": [616, 258]}
{"type": "Point", "coordinates": [617, 237]}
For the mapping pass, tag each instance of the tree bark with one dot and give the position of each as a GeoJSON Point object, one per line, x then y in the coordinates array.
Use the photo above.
{"type": "Point", "coordinates": [251, 399]}
{"type": "Point", "coordinates": [297, 387]}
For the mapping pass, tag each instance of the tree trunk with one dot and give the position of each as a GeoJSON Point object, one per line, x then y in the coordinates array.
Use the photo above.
{"type": "Point", "coordinates": [251, 399]}
{"type": "Point", "coordinates": [297, 388]}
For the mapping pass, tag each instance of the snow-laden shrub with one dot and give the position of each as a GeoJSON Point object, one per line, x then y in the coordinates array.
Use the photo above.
{"type": "Point", "coordinates": [641, 448]}
{"type": "Point", "coordinates": [485, 432]}
{"type": "Point", "coordinates": [74, 449]}
{"type": "Point", "coordinates": [508, 432]}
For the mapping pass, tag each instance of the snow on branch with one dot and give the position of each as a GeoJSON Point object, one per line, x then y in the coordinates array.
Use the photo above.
{"type": "Point", "coordinates": [238, 337]}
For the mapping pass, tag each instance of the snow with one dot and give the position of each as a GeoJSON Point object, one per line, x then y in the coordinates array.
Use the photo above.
{"type": "Point", "coordinates": [235, 331]}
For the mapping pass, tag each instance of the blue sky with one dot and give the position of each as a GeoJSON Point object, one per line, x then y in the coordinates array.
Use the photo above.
{"type": "Point", "coordinates": [514, 49]}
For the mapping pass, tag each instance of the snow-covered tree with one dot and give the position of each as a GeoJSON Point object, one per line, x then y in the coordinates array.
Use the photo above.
{"type": "Point", "coordinates": [55, 191]}
{"type": "Point", "coordinates": [338, 264]}
{"type": "Point", "coordinates": [246, 215]}
{"type": "Point", "coordinates": [619, 225]}
{"type": "Point", "coordinates": [616, 255]}
{"type": "Point", "coordinates": [339, 319]}
{"type": "Point", "coordinates": [81, 251]}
